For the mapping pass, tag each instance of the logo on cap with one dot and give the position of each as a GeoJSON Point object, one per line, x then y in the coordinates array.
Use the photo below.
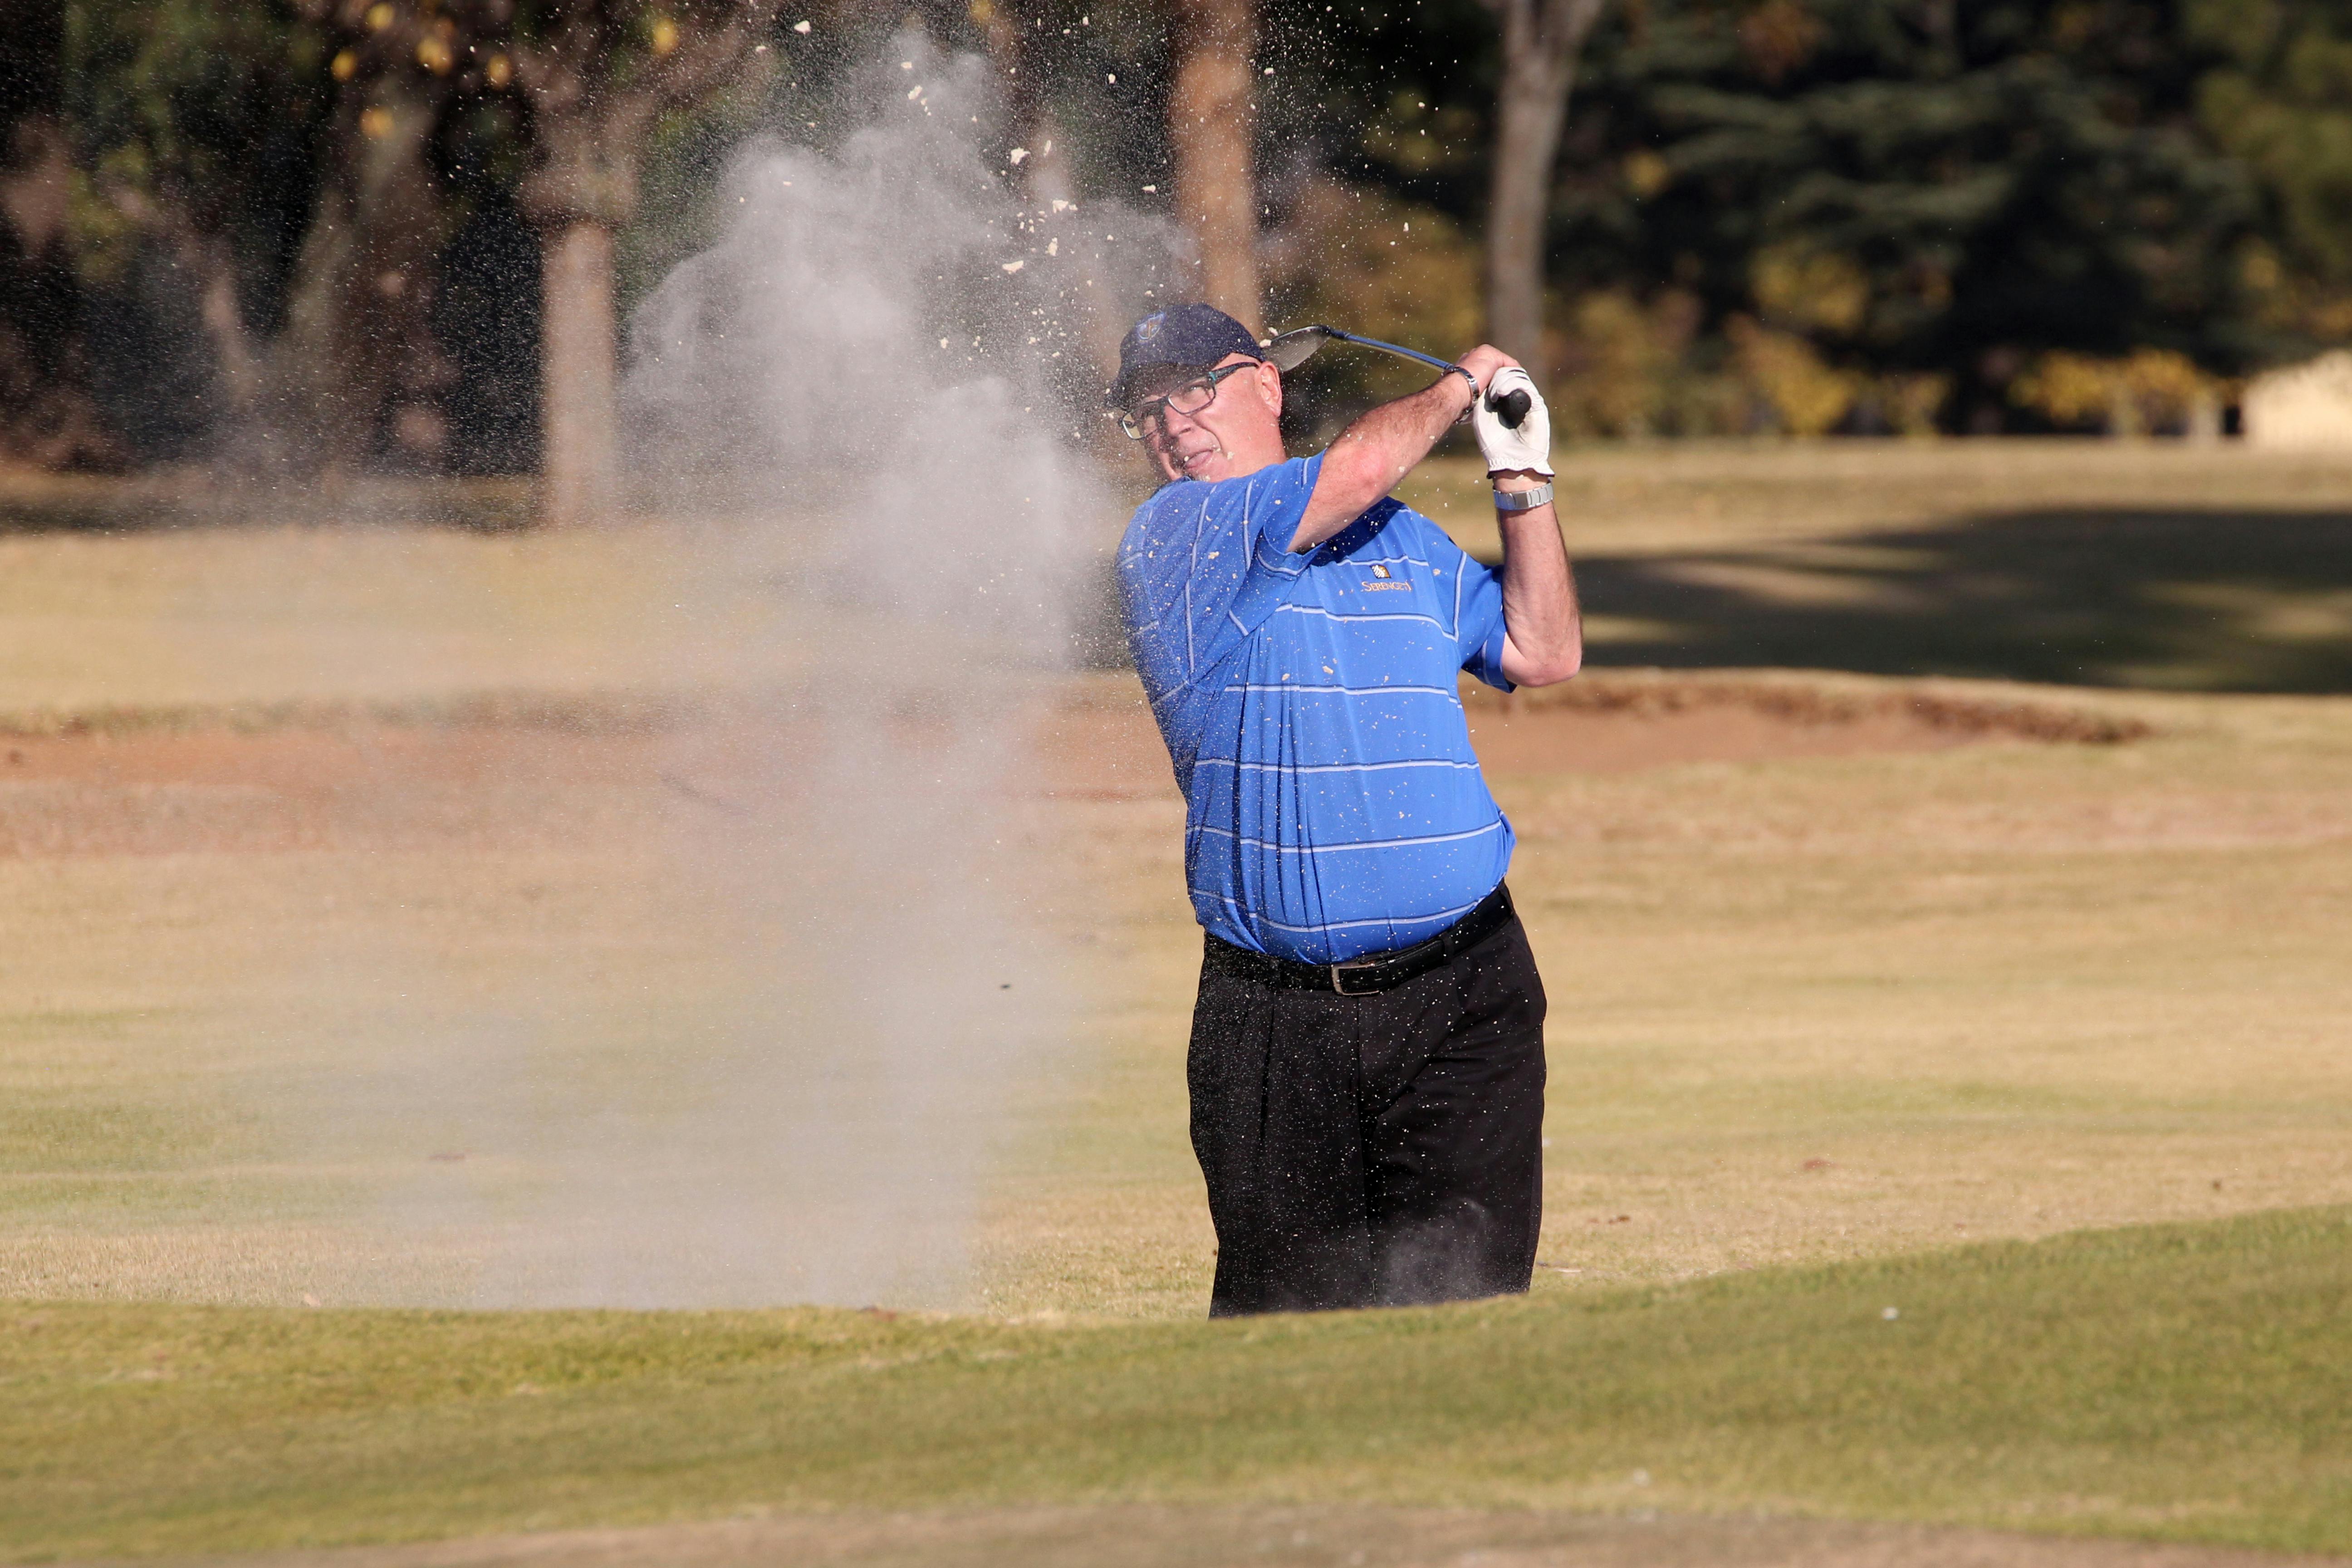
{"type": "Point", "coordinates": [1149, 328]}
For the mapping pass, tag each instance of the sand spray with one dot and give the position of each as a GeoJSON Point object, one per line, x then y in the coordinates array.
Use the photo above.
{"type": "Point", "coordinates": [864, 411]}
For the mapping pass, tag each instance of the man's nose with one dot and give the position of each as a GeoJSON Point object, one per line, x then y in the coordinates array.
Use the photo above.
{"type": "Point", "coordinates": [1173, 423]}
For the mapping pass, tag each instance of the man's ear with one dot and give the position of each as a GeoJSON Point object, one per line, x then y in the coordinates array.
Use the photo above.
{"type": "Point", "coordinates": [1269, 386]}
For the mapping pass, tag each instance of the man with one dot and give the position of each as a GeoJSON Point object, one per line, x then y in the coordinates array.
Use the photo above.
{"type": "Point", "coordinates": [1367, 1063]}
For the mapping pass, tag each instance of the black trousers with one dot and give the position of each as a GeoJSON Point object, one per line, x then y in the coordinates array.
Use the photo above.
{"type": "Point", "coordinates": [1378, 1150]}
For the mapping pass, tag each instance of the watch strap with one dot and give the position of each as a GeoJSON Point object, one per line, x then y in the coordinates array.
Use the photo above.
{"type": "Point", "coordinates": [1464, 418]}
{"type": "Point", "coordinates": [1524, 500]}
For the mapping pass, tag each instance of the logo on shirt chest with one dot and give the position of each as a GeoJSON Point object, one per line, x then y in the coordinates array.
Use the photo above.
{"type": "Point", "coordinates": [1381, 579]}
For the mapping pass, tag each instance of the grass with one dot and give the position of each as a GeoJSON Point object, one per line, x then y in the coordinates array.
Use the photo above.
{"type": "Point", "coordinates": [2187, 1383]}
{"type": "Point", "coordinates": [2139, 565]}
{"type": "Point", "coordinates": [2005, 990]}
{"type": "Point", "coordinates": [1829, 1033]}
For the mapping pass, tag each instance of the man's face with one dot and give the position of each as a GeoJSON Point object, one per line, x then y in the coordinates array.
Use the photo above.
{"type": "Point", "coordinates": [1237, 431]}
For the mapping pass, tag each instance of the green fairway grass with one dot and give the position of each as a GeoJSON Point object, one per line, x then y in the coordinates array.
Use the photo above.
{"type": "Point", "coordinates": [2189, 1383]}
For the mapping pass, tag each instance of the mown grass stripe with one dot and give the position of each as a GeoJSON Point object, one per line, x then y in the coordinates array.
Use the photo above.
{"type": "Point", "coordinates": [2179, 1381]}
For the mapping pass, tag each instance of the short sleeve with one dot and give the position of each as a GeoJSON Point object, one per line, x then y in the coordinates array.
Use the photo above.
{"type": "Point", "coordinates": [1478, 624]}
{"type": "Point", "coordinates": [1192, 552]}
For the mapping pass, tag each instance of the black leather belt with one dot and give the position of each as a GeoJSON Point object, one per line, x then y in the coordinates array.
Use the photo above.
{"type": "Point", "coordinates": [1374, 971]}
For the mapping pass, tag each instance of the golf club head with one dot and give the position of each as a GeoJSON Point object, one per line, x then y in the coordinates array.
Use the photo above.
{"type": "Point", "coordinates": [1288, 351]}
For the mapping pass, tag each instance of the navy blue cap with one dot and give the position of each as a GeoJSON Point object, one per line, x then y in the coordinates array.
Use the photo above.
{"type": "Point", "coordinates": [1194, 336]}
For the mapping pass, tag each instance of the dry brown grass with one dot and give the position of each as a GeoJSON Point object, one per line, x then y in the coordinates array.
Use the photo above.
{"type": "Point", "coordinates": [1826, 982]}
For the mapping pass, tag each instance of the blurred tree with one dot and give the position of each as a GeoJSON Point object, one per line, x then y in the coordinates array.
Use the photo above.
{"type": "Point", "coordinates": [1021, 46]}
{"type": "Point", "coordinates": [192, 125]}
{"type": "Point", "coordinates": [2280, 98]}
{"type": "Point", "coordinates": [598, 73]}
{"type": "Point", "coordinates": [47, 415]}
{"type": "Point", "coordinates": [1213, 133]}
{"type": "Point", "coordinates": [1541, 39]}
{"type": "Point", "coordinates": [1913, 187]}
{"type": "Point", "coordinates": [1022, 37]}
{"type": "Point", "coordinates": [357, 374]}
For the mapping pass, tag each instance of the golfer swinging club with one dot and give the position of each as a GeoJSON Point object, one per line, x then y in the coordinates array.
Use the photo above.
{"type": "Point", "coordinates": [1367, 1064]}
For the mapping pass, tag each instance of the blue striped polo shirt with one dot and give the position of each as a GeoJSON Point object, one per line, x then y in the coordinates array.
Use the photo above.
{"type": "Point", "coordinates": [1310, 706]}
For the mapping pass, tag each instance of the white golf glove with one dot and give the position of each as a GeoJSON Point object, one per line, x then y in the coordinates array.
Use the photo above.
{"type": "Point", "coordinates": [1529, 445]}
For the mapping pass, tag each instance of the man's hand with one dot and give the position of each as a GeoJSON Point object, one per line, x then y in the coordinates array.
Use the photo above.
{"type": "Point", "coordinates": [1543, 628]}
{"type": "Point", "coordinates": [1372, 455]}
{"type": "Point", "coordinates": [1524, 450]}
{"type": "Point", "coordinates": [1483, 362]}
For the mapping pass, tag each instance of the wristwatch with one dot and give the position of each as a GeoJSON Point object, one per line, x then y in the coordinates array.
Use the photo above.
{"type": "Point", "coordinates": [1464, 418]}
{"type": "Point", "coordinates": [1523, 501]}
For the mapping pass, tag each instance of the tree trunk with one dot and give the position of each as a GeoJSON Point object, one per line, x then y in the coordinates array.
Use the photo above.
{"type": "Point", "coordinates": [583, 189]}
{"type": "Point", "coordinates": [358, 334]}
{"type": "Point", "coordinates": [579, 362]}
{"type": "Point", "coordinates": [1213, 124]}
{"type": "Point", "coordinates": [1044, 171]}
{"type": "Point", "coordinates": [593, 108]}
{"type": "Point", "coordinates": [1541, 40]}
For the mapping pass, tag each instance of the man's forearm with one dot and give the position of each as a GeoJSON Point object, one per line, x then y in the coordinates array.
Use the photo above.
{"type": "Point", "coordinates": [1543, 628]}
{"type": "Point", "coordinates": [1374, 453]}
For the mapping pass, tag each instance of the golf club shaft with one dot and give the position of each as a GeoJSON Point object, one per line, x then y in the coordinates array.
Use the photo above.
{"type": "Point", "coordinates": [1511, 408]}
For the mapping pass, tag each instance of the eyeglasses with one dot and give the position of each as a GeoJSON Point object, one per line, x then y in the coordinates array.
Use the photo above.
{"type": "Point", "coordinates": [1189, 398]}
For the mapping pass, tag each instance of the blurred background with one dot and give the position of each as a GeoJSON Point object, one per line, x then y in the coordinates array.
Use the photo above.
{"type": "Point", "coordinates": [306, 239]}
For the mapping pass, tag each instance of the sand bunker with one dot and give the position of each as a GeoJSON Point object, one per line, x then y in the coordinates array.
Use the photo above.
{"type": "Point", "coordinates": [486, 773]}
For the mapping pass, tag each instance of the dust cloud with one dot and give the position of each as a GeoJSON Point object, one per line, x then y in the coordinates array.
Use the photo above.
{"type": "Point", "coordinates": [863, 410]}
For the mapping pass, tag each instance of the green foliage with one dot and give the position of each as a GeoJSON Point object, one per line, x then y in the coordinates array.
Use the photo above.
{"type": "Point", "coordinates": [1793, 214]}
{"type": "Point", "coordinates": [205, 111]}
{"type": "Point", "coordinates": [2185, 1381]}
{"type": "Point", "coordinates": [2281, 100]}
{"type": "Point", "coordinates": [1942, 190]}
{"type": "Point", "coordinates": [1762, 202]}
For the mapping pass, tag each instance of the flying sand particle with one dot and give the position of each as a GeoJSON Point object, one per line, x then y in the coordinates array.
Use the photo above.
{"type": "Point", "coordinates": [799, 26]}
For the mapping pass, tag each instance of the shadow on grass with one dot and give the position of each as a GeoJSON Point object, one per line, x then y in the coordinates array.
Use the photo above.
{"type": "Point", "coordinates": [2217, 601]}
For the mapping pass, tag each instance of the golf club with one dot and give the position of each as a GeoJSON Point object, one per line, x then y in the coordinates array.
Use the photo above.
{"type": "Point", "coordinates": [1288, 351]}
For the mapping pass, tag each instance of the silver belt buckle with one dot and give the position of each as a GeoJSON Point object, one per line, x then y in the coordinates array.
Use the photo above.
{"type": "Point", "coordinates": [1340, 985]}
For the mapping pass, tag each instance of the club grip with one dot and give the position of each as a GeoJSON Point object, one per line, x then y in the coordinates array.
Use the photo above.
{"type": "Point", "coordinates": [1511, 408]}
